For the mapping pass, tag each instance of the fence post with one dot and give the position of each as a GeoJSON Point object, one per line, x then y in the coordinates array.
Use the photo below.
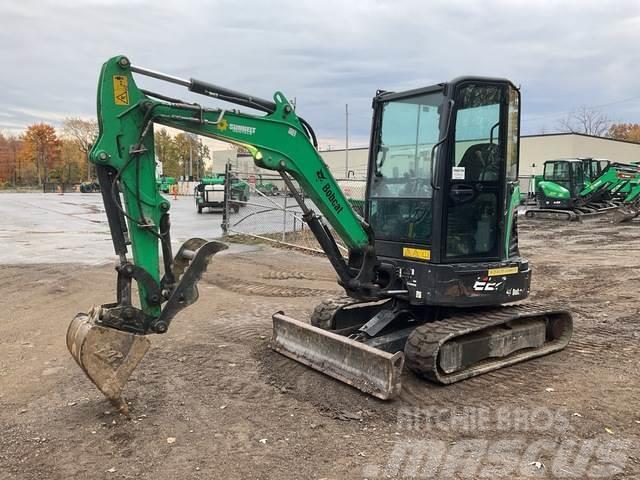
{"type": "Point", "coordinates": [225, 210]}
{"type": "Point", "coordinates": [284, 217]}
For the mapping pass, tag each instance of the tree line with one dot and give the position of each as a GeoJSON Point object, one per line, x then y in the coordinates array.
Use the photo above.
{"type": "Point", "coordinates": [44, 154]}
{"type": "Point", "coordinates": [592, 121]}
{"type": "Point", "coordinates": [182, 155]}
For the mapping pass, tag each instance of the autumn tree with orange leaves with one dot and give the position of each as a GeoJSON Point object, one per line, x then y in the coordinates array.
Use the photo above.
{"type": "Point", "coordinates": [625, 131]}
{"type": "Point", "coordinates": [40, 152]}
{"type": "Point", "coordinates": [10, 172]}
{"type": "Point", "coordinates": [81, 133]}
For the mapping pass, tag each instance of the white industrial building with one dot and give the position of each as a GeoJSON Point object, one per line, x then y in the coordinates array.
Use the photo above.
{"type": "Point", "coordinates": [534, 150]}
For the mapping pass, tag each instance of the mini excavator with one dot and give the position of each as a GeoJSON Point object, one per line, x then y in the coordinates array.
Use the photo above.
{"type": "Point", "coordinates": [433, 268]}
{"type": "Point", "coordinates": [581, 188]}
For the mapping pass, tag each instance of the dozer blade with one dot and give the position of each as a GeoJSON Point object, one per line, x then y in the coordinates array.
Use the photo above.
{"type": "Point", "coordinates": [106, 355]}
{"type": "Point", "coordinates": [601, 214]}
{"type": "Point", "coordinates": [373, 371]}
{"type": "Point", "coordinates": [626, 214]}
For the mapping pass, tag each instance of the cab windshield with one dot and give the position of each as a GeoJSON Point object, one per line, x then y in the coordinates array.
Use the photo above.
{"type": "Point", "coordinates": [557, 171]}
{"type": "Point", "coordinates": [570, 175]}
{"type": "Point", "coordinates": [408, 132]}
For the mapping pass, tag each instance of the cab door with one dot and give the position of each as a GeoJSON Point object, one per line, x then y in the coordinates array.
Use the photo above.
{"type": "Point", "coordinates": [474, 189]}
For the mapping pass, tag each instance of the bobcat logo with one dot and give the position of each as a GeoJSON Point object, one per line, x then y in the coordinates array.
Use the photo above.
{"type": "Point", "coordinates": [320, 175]}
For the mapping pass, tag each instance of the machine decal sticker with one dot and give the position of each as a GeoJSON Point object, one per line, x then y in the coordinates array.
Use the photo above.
{"type": "Point", "coordinates": [487, 285]}
{"type": "Point", "coordinates": [121, 90]}
{"type": "Point", "coordinates": [245, 130]}
{"type": "Point", "coordinates": [419, 253]}
{"type": "Point", "coordinates": [457, 173]}
{"type": "Point", "coordinates": [494, 272]}
{"type": "Point", "coordinates": [333, 199]}
{"type": "Point", "coordinates": [222, 125]}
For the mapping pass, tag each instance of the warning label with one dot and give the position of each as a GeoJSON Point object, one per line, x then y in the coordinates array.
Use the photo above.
{"type": "Point", "coordinates": [121, 90]}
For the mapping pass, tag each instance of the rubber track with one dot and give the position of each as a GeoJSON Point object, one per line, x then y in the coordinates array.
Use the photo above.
{"type": "Point", "coordinates": [322, 316]}
{"type": "Point", "coordinates": [423, 345]}
{"type": "Point", "coordinates": [569, 215]}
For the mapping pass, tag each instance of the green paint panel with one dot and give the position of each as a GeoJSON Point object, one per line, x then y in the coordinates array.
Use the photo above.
{"type": "Point", "coordinates": [553, 190]}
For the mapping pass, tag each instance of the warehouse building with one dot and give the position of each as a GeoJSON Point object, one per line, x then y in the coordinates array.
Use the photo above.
{"type": "Point", "coordinates": [534, 150]}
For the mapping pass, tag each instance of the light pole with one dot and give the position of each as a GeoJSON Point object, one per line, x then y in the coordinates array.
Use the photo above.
{"type": "Point", "coordinates": [190, 157]}
{"type": "Point", "coordinates": [193, 138]}
{"type": "Point", "coordinates": [346, 129]}
{"type": "Point", "coordinates": [89, 147]}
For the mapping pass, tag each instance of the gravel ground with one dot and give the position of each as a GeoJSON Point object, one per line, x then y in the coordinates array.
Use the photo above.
{"type": "Point", "coordinates": [211, 400]}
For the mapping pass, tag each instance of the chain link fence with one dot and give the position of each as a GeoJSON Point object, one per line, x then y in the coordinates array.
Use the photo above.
{"type": "Point", "coordinates": [54, 187]}
{"type": "Point", "coordinates": [259, 207]}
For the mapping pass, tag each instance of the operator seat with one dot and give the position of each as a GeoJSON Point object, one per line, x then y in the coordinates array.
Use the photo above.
{"type": "Point", "coordinates": [470, 226]}
{"type": "Point", "coordinates": [481, 162]}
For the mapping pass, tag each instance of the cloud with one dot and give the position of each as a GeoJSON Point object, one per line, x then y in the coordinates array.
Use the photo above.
{"type": "Point", "coordinates": [324, 54]}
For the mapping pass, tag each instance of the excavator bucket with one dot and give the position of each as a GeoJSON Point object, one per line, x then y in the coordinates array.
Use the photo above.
{"type": "Point", "coordinates": [369, 369]}
{"type": "Point", "coordinates": [106, 355]}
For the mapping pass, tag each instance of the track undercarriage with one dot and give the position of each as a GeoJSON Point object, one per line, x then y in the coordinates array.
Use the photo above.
{"type": "Point", "coordinates": [366, 343]}
{"type": "Point", "coordinates": [579, 213]}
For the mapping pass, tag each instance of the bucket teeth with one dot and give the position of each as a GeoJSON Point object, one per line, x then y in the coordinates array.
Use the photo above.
{"type": "Point", "coordinates": [107, 356]}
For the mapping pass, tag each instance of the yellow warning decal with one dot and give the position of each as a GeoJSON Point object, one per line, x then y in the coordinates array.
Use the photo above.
{"type": "Point", "coordinates": [495, 272]}
{"type": "Point", "coordinates": [121, 90]}
{"type": "Point", "coordinates": [419, 253]}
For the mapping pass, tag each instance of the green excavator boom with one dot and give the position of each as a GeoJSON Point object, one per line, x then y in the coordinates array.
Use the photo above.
{"type": "Point", "coordinates": [138, 214]}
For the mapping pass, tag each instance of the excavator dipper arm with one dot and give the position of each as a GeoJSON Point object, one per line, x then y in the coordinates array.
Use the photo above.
{"type": "Point", "coordinates": [109, 341]}
{"type": "Point", "coordinates": [279, 141]}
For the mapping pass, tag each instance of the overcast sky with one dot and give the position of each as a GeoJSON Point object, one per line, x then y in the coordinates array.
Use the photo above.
{"type": "Point", "coordinates": [325, 53]}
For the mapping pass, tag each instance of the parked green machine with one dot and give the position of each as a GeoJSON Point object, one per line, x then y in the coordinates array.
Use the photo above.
{"type": "Point", "coordinates": [210, 192]}
{"type": "Point", "coordinates": [575, 188]}
{"type": "Point", "coordinates": [428, 269]}
{"type": "Point", "coordinates": [89, 187]}
{"type": "Point", "coordinates": [165, 183]}
{"type": "Point", "coordinates": [266, 187]}
{"type": "Point", "coordinates": [592, 168]}
{"type": "Point", "coordinates": [630, 206]}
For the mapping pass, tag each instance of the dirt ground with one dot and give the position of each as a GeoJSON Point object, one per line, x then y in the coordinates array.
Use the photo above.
{"type": "Point", "coordinates": [211, 400]}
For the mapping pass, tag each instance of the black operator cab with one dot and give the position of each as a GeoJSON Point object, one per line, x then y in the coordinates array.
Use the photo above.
{"type": "Point", "coordinates": [594, 167]}
{"type": "Point", "coordinates": [443, 190]}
